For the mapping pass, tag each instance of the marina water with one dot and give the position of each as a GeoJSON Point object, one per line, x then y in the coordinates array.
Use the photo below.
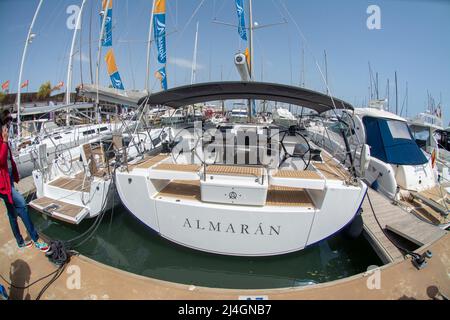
{"type": "Point", "coordinates": [123, 242]}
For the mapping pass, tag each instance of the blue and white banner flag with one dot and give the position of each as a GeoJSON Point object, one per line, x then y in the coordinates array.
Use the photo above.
{"type": "Point", "coordinates": [159, 29]}
{"type": "Point", "coordinates": [117, 81]}
{"type": "Point", "coordinates": [241, 17]}
{"type": "Point", "coordinates": [161, 75]}
{"type": "Point", "coordinates": [107, 32]}
{"type": "Point", "coordinates": [113, 71]}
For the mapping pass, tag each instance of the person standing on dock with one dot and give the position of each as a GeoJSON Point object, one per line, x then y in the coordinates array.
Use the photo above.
{"type": "Point", "coordinates": [14, 201]}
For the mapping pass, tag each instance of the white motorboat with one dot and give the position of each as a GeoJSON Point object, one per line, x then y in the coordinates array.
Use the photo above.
{"type": "Point", "coordinates": [262, 192]}
{"type": "Point", "coordinates": [239, 114]}
{"type": "Point", "coordinates": [217, 119]}
{"type": "Point", "coordinates": [173, 116]}
{"type": "Point", "coordinates": [398, 168]}
{"type": "Point", "coordinates": [284, 118]}
{"type": "Point", "coordinates": [430, 135]}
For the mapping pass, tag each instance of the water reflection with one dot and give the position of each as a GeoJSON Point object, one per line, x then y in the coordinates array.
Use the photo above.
{"type": "Point", "coordinates": [123, 242]}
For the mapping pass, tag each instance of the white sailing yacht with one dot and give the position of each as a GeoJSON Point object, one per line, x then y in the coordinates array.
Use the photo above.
{"type": "Point", "coordinates": [72, 189]}
{"type": "Point", "coordinates": [55, 140]}
{"type": "Point", "coordinates": [225, 198]}
{"type": "Point", "coordinates": [78, 183]}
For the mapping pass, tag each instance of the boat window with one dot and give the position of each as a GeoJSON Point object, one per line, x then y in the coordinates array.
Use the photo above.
{"type": "Point", "coordinates": [85, 133]}
{"type": "Point", "coordinates": [103, 129]}
{"type": "Point", "coordinates": [421, 135]}
{"type": "Point", "coordinates": [339, 127]}
{"type": "Point", "coordinates": [391, 141]}
{"type": "Point", "coordinates": [57, 137]}
{"type": "Point", "coordinates": [398, 129]}
{"type": "Point", "coordinates": [443, 139]}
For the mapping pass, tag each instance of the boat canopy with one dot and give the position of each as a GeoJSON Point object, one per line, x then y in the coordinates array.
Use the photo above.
{"type": "Point", "coordinates": [111, 95]}
{"type": "Point", "coordinates": [230, 90]}
{"type": "Point", "coordinates": [391, 141]}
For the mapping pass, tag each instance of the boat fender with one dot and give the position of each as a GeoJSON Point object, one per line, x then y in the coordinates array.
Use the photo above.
{"type": "Point", "coordinates": [355, 228]}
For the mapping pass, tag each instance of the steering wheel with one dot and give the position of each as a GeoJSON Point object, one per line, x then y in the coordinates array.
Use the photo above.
{"type": "Point", "coordinates": [191, 145]}
{"type": "Point", "coordinates": [63, 159]}
{"type": "Point", "coordinates": [296, 153]}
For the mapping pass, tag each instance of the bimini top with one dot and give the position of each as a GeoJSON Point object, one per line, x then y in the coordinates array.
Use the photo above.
{"type": "Point", "coordinates": [214, 91]}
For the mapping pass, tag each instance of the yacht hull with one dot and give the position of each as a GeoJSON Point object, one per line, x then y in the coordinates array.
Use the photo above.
{"type": "Point", "coordinates": [238, 230]}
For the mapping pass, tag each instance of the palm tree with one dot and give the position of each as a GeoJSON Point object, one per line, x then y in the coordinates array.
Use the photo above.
{"type": "Point", "coordinates": [44, 90]}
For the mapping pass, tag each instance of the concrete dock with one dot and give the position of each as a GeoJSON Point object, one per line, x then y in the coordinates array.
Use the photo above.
{"type": "Point", "coordinates": [84, 278]}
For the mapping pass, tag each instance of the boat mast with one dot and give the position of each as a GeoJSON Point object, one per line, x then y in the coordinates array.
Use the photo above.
{"type": "Point", "coordinates": [303, 66]}
{"type": "Point", "coordinates": [97, 74]}
{"type": "Point", "coordinates": [376, 86]}
{"type": "Point", "coordinates": [27, 41]}
{"type": "Point", "coordinates": [194, 59]}
{"type": "Point", "coordinates": [370, 82]}
{"type": "Point", "coordinates": [251, 39]}
{"type": "Point", "coordinates": [90, 43]}
{"type": "Point", "coordinates": [407, 99]}
{"type": "Point", "coordinates": [388, 98]}
{"type": "Point", "coordinates": [70, 66]}
{"type": "Point", "coordinates": [396, 94]}
{"type": "Point", "coordinates": [326, 72]}
{"type": "Point", "coordinates": [250, 11]}
{"type": "Point", "coordinates": [149, 44]}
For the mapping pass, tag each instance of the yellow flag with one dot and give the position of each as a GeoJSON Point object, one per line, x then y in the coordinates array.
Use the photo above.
{"type": "Point", "coordinates": [247, 57]}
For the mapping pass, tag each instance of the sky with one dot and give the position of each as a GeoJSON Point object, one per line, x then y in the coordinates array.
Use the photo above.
{"type": "Point", "coordinates": [413, 41]}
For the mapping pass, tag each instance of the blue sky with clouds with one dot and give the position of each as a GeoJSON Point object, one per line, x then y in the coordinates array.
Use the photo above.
{"type": "Point", "coordinates": [413, 40]}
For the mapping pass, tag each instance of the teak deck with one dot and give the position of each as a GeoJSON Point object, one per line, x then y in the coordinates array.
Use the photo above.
{"type": "Point", "coordinates": [288, 197]}
{"type": "Point", "coordinates": [432, 204]}
{"type": "Point", "coordinates": [296, 174]}
{"type": "Point", "coordinates": [73, 184]}
{"type": "Point", "coordinates": [331, 170]}
{"type": "Point", "coordinates": [150, 162]}
{"type": "Point", "coordinates": [178, 167]}
{"type": "Point", "coordinates": [426, 212]}
{"type": "Point", "coordinates": [64, 208]}
{"type": "Point", "coordinates": [235, 170]}
{"type": "Point", "coordinates": [182, 189]}
{"type": "Point", "coordinates": [276, 196]}
{"type": "Point", "coordinates": [438, 194]}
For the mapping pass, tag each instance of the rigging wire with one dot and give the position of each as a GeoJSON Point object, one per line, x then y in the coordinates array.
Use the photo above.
{"type": "Point", "coordinates": [310, 51]}
{"type": "Point", "coordinates": [189, 21]}
{"type": "Point", "coordinates": [308, 48]}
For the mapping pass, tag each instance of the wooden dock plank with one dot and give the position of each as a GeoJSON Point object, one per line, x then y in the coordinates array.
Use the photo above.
{"type": "Point", "coordinates": [397, 220]}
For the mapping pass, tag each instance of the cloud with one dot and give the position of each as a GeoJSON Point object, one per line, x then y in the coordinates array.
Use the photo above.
{"type": "Point", "coordinates": [84, 58]}
{"type": "Point", "coordinates": [185, 63]}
